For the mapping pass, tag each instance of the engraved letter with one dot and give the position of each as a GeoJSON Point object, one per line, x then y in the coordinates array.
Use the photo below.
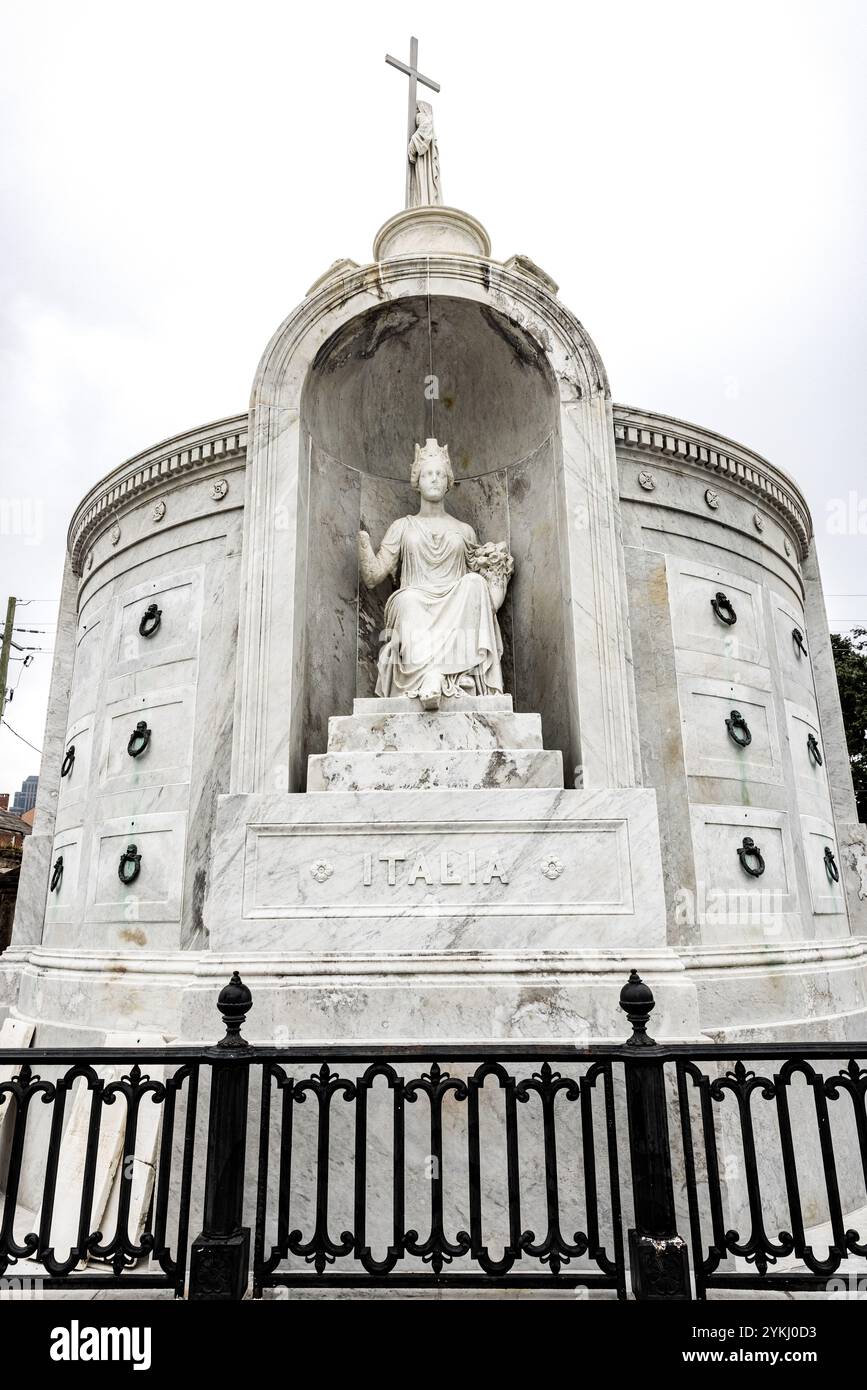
{"type": "Point", "coordinates": [391, 860]}
{"type": "Point", "coordinates": [446, 874]}
{"type": "Point", "coordinates": [495, 870]}
{"type": "Point", "coordinates": [420, 870]}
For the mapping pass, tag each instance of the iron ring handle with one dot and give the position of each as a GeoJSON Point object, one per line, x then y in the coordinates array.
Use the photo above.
{"type": "Point", "coordinates": [798, 639]}
{"type": "Point", "coordinates": [139, 739]}
{"type": "Point", "coordinates": [130, 865]}
{"type": "Point", "coordinates": [739, 729]}
{"type": "Point", "coordinates": [68, 761]}
{"type": "Point", "coordinates": [151, 619]}
{"type": "Point", "coordinates": [814, 750]}
{"type": "Point", "coordinates": [831, 865]}
{"type": "Point", "coordinates": [724, 608]}
{"type": "Point", "coordinates": [750, 850]}
{"type": "Point", "coordinates": [56, 874]}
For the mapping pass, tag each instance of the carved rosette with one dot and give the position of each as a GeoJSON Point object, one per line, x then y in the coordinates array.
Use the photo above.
{"type": "Point", "coordinates": [551, 867]}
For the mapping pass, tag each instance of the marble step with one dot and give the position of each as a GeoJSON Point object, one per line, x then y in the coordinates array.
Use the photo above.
{"type": "Point", "coordinates": [382, 732]}
{"type": "Point", "coordinates": [463, 704]}
{"type": "Point", "coordinates": [464, 769]}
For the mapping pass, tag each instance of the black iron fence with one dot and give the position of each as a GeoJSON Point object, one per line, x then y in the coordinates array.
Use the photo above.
{"type": "Point", "coordinates": [671, 1169]}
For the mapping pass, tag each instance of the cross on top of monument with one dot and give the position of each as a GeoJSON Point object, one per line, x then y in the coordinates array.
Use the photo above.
{"type": "Point", "coordinates": [415, 77]}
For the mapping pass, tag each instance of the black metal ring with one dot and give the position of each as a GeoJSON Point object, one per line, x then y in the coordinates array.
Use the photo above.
{"type": "Point", "coordinates": [831, 865]}
{"type": "Point", "coordinates": [68, 760]}
{"type": "Point", "coordinates": [57, 874]}
{"type": "Point", "coordinates": [130, 859]}
{"type": "Point", "coordinates": [814, 750]}
{"type": "Point", "coordinates": [723, 608]}
{"type": "Point", "coordinates": [151, 619]}
{"type": "Point", "coordinates": [737, 726]}
{"type": "Point", "coordinates": [798, 639]}
{"type": "Point", "coordinates": [750, 850]}
{"type": "Point", "coordinates": [139, 739]}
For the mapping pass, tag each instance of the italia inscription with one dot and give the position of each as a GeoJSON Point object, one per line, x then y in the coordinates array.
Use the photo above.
{"type": "Point", "coordinates": [487, 868]}
{"type": "Point", "coordinates": [449, 867]}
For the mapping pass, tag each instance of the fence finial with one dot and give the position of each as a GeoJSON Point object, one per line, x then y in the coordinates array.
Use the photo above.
{"type": "Point", "coordinates": [637, 1002]}
{"type": "Point", "coordinates": [234, 1003]}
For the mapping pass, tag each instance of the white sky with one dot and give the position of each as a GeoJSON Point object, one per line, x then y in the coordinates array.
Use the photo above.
{"type": "Point", "coordinates": [173, 176]}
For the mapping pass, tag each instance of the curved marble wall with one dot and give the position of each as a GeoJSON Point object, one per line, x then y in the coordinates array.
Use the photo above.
{"type": "Point", "coordinates": [739, 725]}
{"type": "Point", "coordinates": [146, 746]}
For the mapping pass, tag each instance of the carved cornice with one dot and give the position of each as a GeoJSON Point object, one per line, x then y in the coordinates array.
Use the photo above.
{"type": "Point", "coordinates": [216, 444]}
{"type": "Point", "coordinates": [681, 443]}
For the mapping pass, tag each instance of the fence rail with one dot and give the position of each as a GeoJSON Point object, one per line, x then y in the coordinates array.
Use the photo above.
{"type": "Point", "coordinates": [659, 1167]}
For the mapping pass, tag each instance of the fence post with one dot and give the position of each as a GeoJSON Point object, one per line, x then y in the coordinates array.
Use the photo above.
{"type": "Point", "coordinates": [658, 1256]}
{"type": "Point", "coordinates": [220, 1255]}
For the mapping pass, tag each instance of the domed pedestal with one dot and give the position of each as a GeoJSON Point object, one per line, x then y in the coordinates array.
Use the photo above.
{"type": "Point", "coordinates": [433, 231]}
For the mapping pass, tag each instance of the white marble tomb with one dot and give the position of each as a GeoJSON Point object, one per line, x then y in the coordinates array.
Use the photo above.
{"type": "Point", "coordinates": [488, 869]}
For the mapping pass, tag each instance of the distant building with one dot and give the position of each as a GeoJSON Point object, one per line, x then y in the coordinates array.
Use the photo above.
{"type": "Point", "coordinates": [25, 799]}
{"type": "Point", "coordinates": [13, 831]}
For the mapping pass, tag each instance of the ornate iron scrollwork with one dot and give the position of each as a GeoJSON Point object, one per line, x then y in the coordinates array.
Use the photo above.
{"type": "Point", "coordinates": [130, 865]}
{"type": "Point", "coordinates": [739, 729]}
{"type": "Point", "coordinates": [798, 639]}
{"type": "Point", "coordinates": [831, 865]}
{"type": "Point", "coordinates": [68, 761]}
{"type": "Point", "coordinates": [138, 739]}
{"type": "Point", "coordinates": [750, 850]}
{"type": "Point", "coordinates": [56, 874]}
{"type": "Point", "coordinates": [814, 750]}
{"type": "Point", "coordinates": [151, 619]}
{"type": "Point", "coordinates": [724, 608]}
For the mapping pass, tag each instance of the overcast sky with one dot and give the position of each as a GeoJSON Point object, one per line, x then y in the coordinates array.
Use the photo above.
{"type": "Point", "coordinates": [174, 176]}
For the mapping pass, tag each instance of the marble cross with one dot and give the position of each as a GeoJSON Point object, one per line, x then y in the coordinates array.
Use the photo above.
{"type": "Point", "coordinates": [415, 77]}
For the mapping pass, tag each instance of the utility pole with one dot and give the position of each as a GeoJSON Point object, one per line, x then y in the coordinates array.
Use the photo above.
{"type": "Point", "coordinates": [4, 653]}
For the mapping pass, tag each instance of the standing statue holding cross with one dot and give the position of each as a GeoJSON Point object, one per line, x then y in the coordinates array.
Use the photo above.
{"type": "Point", "coordinates": [423, 184]}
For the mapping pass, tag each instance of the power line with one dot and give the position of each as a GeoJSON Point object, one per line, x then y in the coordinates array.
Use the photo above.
{"type": "Point", "coordinates": [8, 726]}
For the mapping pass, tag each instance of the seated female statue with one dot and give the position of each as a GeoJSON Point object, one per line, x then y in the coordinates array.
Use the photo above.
{"type": "Point", "coordinates": [442, 637]}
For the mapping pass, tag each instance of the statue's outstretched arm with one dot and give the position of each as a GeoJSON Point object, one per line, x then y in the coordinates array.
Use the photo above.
{"type": "Point", "coordinates": [374, 567]}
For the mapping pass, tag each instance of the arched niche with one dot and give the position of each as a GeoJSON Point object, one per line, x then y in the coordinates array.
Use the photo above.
{"type": "Point", "coordinates": [369, 396]}
{"type": "Point", "coordinates": [339, 401]}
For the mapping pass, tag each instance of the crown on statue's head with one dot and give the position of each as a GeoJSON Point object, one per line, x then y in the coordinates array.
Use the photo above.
{"type": "Point", "coordinates": [431, 450]}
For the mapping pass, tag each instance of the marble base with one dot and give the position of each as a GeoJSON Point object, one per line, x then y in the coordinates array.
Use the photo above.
{"type": "Point", "coordinates": [521, 869]}
{"type": "Point", "coordinates": [75, 997]}
{"type": "Point", "coordinates": [385, 733]}
{"type": "Point", "coordinates": [424, 771]}
{"type": "Point", "coordinates": [370, 997]}
{"type": "Point", "coordinates": [453, 916]}
{"type": "Point", "coordinates": [470, 742]}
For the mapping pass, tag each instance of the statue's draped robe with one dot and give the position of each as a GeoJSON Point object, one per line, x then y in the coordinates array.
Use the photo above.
{"type": "Point", "coordinates": [425, 187]}
{"type": "Point", "coordinates": [441, 619]}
